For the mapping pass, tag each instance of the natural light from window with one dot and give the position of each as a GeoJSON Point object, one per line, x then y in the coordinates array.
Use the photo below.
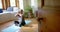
{"type": "Point", "coordinates": [0, 4]}
{"type": "Point", "coordinates": [12, 3]}
{"type": "Point", "coordinates": [21, 4]}
{"type": "Point", "coordinates": [34, 4]}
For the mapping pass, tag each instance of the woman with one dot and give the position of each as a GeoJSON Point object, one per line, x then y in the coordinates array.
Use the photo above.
{"type": "Point", "coordinates": [21, 18]}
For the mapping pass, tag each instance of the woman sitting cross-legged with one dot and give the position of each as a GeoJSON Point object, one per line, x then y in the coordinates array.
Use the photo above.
{"type": "Point", "coordinates": [21, 20]}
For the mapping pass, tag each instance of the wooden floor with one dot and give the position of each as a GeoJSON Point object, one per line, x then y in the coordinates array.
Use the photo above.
{"type": "Point", "coordinates": [8, 24]}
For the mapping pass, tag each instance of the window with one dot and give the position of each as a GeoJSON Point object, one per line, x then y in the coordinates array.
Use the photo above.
{"type": "Point", "coordinates": [12, 3]}
{"type": "Point", "coordinates": [0, 4]}
{"type": "Point", "coordinates": [21, 4]}
{"type": "Point", "coordinates": [34, 4]}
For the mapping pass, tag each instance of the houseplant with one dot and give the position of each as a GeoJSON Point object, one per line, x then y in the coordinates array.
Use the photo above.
{"type": "Point", "coordinates": [27, 11]}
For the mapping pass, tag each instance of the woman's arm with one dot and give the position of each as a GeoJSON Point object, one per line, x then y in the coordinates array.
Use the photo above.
{"type": "Point", "coordinates": [17, 15]}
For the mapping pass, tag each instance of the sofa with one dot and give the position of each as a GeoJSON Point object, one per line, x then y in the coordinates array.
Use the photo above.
{"type": "Point", "coordinates": [8, 15]}
{"type": "Point", "coordinates": [4, 17]}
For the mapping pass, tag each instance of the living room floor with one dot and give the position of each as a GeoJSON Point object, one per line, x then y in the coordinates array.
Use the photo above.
{"type": "Point", "coordinates": [27, 28]}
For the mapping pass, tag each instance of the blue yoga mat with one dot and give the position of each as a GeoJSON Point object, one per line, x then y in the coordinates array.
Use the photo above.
{"type": "Point", "coordinates": [14, 28]}
{"type": "Point", "coordinates": [28, 21]}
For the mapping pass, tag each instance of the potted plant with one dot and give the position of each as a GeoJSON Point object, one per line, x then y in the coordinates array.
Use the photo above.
{"type": "Point", "coordinates": [27, 11]}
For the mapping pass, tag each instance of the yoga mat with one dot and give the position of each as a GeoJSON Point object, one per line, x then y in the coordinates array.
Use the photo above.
{"type": "Point", "coordinates": [12, 28]}
{"type": "Point", "coordinates": [28, 21]}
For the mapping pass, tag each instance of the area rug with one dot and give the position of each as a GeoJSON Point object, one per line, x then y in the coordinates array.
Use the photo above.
{"type": "Point", "coordinates": [14, 28]}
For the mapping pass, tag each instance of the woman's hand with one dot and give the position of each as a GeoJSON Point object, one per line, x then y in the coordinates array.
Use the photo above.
{"type": "Point", "coordinates": [17, 15]}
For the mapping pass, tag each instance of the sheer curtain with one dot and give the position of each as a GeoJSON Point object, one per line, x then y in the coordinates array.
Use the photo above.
{"type": "Point", "coordinates": [12, 3]}
{"type": "Point", "coordinates": [34, 5]}
{"type": "Point", "coordinates": [21, 4]}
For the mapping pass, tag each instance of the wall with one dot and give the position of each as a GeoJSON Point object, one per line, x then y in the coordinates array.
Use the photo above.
{"type": "Point", "coordinates": [49, 3]}
{"type": "Point", "coordinates": [52, 3]}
